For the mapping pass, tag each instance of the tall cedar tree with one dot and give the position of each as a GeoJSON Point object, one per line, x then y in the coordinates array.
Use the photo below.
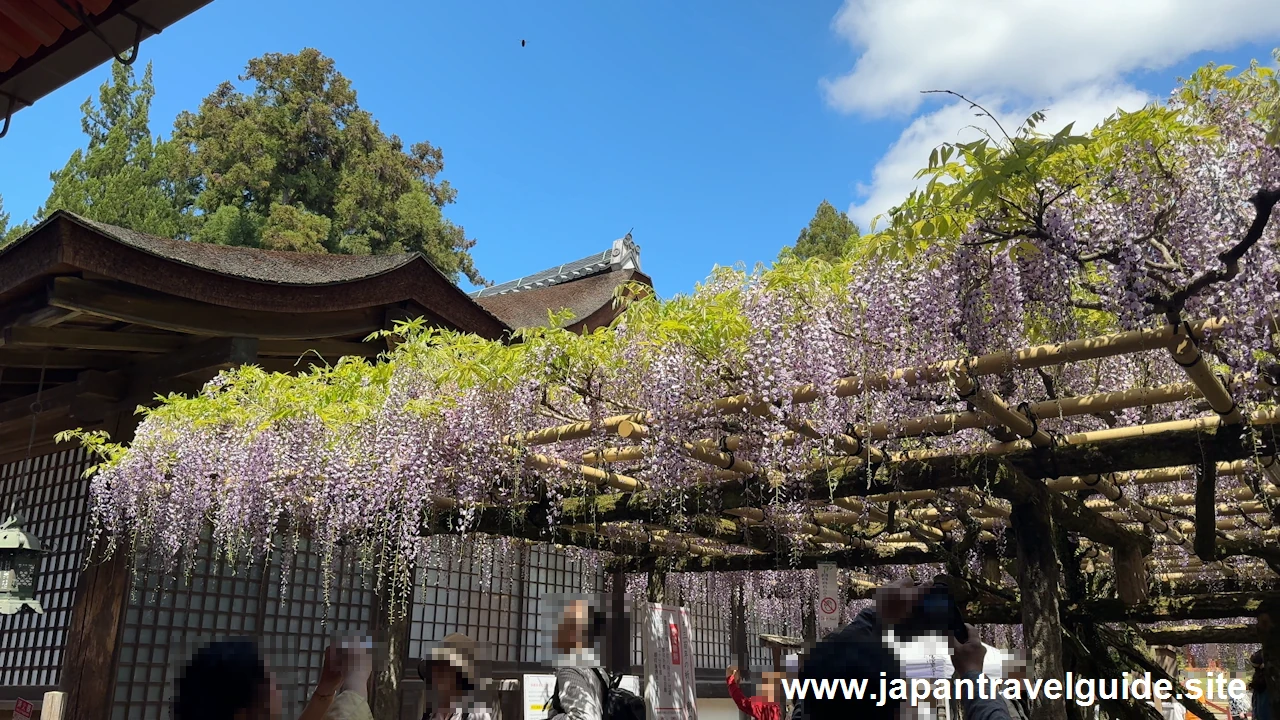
{"type": "Point", "coordinates": [829, 235]}
{"type": "Point", "coordinates": [294, 163]}
{"type": "Point", "coordinates": [123, 175]}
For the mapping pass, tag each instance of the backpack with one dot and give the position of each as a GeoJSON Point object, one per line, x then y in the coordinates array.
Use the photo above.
{"type": "Point", "coordinates": [620, 703]}
{"type": "Point", "coordinates": [617, 704]}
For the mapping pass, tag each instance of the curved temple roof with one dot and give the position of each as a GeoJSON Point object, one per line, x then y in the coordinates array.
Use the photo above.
{"type": "Point", "coordinates": [248, 279]}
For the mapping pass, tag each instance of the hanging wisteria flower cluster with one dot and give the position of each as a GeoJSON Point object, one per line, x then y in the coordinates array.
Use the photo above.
{"type": "Point", "coordinates": [1016, 241]}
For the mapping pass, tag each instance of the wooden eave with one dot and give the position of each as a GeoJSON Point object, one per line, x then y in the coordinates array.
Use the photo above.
{"type": "Point", "coordinates": [91, 326]}
{"type": "Point", "coordinates": [43, 46]}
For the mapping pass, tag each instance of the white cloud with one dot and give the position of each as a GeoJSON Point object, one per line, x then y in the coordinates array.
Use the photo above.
{"type": "Point", "coordinates": [1024, 48]}
{"type": "Point", "coordinates": [1014, 56]}
{"type": "Point", "coordinates": [894, 175]}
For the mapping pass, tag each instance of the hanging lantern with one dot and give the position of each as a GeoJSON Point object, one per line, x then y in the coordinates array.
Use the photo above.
{"type": "Point", "coordinates": [19, 567]}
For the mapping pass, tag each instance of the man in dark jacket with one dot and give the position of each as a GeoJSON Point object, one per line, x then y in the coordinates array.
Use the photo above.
{"type": "Point", "coordinates": [860, 652]}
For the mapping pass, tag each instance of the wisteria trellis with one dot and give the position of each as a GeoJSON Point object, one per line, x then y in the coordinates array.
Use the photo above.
{"type": "Point", "coordinates": [1124, 232]}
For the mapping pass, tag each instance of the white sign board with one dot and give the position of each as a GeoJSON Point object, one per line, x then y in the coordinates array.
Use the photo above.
{"type": "Point", "coordinates": [670, 690]}
{"type": "Point", "coordinates": [828, 599]}
{"type": "Point", "coordinates": [930, 657]}
{"type": "Point", "coordinates": [538, 690]}
{"type": "Point", "coordinates": [22, 709]}
{"type": "Point", "coordinates": [632, 683]}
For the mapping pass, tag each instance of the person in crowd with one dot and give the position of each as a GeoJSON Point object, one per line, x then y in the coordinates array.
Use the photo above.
{"type": "Point", "coordinates": [860, 651]}
{"type": "Point", "coordinates": [580, 684]}
{"type": "Point", "coordinates": [343, 690]}
{"type": "Point", "coordinates": [450, 675]}
{"type": "Point", "coordinates": [1261, 700]}
{"type": "Point", "coordinates": [231, 680]}
{"type": "Point", "coordinates": [764, 706]}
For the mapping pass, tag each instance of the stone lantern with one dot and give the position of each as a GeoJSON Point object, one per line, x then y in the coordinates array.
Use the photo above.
{"type": "Point", "coordinates": [19, 567]}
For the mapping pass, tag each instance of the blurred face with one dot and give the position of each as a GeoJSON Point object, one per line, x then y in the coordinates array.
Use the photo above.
{"type": "Point", "coordinates": [271, 706]}
{"type": "Point", "coordinates": [444, 684]}
{"type": "Point", "coordinates": [572, 627]}
{"type": "Point", "coordinates": [769, 688]}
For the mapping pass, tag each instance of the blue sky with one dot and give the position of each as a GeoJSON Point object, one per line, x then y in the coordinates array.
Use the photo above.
{"type": "Point", "coordinates": [712, 128]}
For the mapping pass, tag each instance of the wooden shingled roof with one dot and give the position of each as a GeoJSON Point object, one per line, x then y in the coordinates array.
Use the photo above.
{"type": "Point", "coordinates": [45, 44]}
{"type": "Point", "coordinates": [97, 319]}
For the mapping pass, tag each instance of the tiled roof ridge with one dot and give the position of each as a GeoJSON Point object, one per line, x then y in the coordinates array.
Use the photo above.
{"type": "Point", "coordinates": [624, 254]}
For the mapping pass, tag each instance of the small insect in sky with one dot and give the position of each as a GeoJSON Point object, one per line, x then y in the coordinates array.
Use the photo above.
{"type": "Point", "coordinates": [521, 43]}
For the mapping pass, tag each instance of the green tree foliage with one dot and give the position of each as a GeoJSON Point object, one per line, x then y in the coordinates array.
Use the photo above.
{"type": "Point", "coordinates": [294, 163]}
{"type": "Point", "coordinates": [829, 235]}
{"type": "Point", "coordinates": [123, 175]}
{"type": "Point", "coordinates": [10, 233]}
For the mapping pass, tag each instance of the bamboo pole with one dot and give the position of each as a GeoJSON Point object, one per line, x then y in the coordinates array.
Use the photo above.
{"type": "Point", "coordinates": [875, 514]}
{"type": "Point", "coordinates": [1186, 353]}
{"type": "Point", "coordinates": [994, 406]}
{"type": "Point", "coordinates": [671, 542]}
{"type": "Point", "coordinates": [1144, 516]}
{"type": "Point", "coordinates": [596, 475]}
{"type": "Point", "coordinates": [815, 530]}
{"type": "Point", "coordinates": [1202, 424]}
{"type": "Point", "coordinates": [990, 364]}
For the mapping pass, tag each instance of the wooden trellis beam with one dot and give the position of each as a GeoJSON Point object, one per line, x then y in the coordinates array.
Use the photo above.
{"type": "Point", "coordinates": [874, 556]}
{"type": "Point", "coordinates": [1209, 606]}
{"type": "Point", "coordinates": [1202, 634]}
{"type": "Point", "coordinates": [991, 364]}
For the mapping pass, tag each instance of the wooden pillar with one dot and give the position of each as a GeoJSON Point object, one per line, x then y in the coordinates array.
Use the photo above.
{"type": "Point", "coordinates": [1131, 574]}
{"type": "Point", "coordinates": [618, 658]}
{"type": "Point", "coordinates": [1267, 623]}
{"type": "Point", "coordinates": [1039, 579]}
{"type": "Point", "coordinates": [97, 617]}
{"type": "Point", "coordinates": [88, 665]}
{"type": "Point", "coordinates": [1167, 658]}
{"type": "Point", "coordinates": [390, 635]}
{"type": "Point", "coordinates": [657, 587]}
{"type": "Point", "coordinates": [991, 569]}
{"type": "Point", "coordinates": [739, 648]}
{"type": "Point", "coordinates": [53, 706]}
{"type": "Point", "coordinates": [1206, 512]}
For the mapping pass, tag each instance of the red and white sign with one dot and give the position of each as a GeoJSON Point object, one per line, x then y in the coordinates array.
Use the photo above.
{"type": "Point", "coordinates": [670, 688]}
{"type": "Point", "coordinates": [828, 598]}
{"type": "Point", "coordinates": [22, 710]}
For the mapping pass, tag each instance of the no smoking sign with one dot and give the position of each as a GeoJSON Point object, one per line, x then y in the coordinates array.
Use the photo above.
{"type": "Point", "coordinates": [829, 605]}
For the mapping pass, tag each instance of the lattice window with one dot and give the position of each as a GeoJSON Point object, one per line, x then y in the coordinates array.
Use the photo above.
{"type": "Point", "coordinates": [637, 630]}
{"type": "Point", "coordinates": [53, 494]}
{"type": "Point", "coordinates": [297, 625]}
{"type": "Point", "coordinates": [168, 619]}
{"type": "Point", "coordinates": [551, 572]}
{"type": "Point", "coordinates": [712, 639]}
{"type": "Point", "coordinates": [762, 657]}
{"type": "Point", "coordinates": [472, 588]}
{"type": "Point", "coordinates": [494, 593]}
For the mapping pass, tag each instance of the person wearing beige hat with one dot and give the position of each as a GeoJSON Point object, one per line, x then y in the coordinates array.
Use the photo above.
{"type": "Point", "coordinates": [449, 672]}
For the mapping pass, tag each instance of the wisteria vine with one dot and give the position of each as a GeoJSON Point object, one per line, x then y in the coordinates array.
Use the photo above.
{"type": "Point", "coordinates": [371, 456]}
